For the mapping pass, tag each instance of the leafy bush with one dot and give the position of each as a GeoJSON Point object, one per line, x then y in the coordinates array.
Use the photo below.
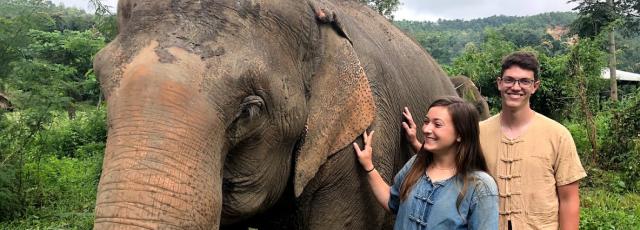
{"type": "Point", "coordinates": [578, 130]}
{"type": "Point", "coordinates": [8, 196]}
{"type": "Point", "coordinates": [623, 152]}
{"type": "Point", "coordinates": [80, 137]}
{"type": "Point", "coordinates": [51, 171]}
{"type": "Point", "coordinates": [601, 209]}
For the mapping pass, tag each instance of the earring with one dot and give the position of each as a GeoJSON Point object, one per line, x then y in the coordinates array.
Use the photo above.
{"type": "Point", "coordinates": [458, 140]}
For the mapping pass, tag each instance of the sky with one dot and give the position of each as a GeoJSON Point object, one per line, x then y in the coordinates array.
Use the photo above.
{"type": "Point", "coordinates": [432, 10]}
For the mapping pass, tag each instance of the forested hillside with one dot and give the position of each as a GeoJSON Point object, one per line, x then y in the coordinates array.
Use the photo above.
{"type": "Point", "coordinates": [447, 39]}
{"type": "Point", "coordinates": [53, 117]}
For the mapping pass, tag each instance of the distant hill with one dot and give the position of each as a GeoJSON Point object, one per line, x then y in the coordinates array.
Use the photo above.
{"type": "Point", "coordinates": [535, 21]}
{"type": "Point", "coordinates": [446, 39]}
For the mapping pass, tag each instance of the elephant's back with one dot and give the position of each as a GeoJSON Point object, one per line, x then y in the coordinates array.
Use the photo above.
{"type": "Point", "coordinates": [389, 55]}
{"type": "Point", "coordinates": [401, 73]}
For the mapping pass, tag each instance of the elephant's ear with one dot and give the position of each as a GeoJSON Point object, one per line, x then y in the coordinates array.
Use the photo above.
{"type": "Point", "coordinates": [341, 105]}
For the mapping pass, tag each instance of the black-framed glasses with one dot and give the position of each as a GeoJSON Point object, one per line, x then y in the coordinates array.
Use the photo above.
{"type": "Point", "coordinates": [508, 82]}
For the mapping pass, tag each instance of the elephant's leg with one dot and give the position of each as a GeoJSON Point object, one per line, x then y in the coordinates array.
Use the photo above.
{"type": "Point", "coordinates": [339, 197]}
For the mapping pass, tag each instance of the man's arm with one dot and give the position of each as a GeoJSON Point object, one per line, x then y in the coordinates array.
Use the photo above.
{"type": "Point", "coordinates": [569, 201]}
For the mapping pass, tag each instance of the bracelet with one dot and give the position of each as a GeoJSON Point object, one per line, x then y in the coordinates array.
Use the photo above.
{"type": "Point", "coordinates": [370, 170]}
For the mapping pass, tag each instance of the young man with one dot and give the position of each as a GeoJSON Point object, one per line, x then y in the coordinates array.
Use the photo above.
{"type": "Point", "coordinates": [532, 158]}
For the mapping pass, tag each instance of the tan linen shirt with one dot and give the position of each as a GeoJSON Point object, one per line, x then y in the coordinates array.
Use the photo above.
{"type": "Point", "coordinates": [528, 169]}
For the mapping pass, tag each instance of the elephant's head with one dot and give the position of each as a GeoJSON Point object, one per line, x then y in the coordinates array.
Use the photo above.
{"type": "Point", "coordinates": [210, 103]}
{"type": "Point", "coordinates": [467, 90]}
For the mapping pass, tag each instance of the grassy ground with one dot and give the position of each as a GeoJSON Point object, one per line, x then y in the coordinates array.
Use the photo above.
{"type": "Point", "coordinates": [600, 209]}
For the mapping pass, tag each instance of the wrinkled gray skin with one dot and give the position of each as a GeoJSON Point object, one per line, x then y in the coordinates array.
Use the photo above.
{"type": "Point", "coordinates": [467, 90]}
{"type": "Point", "coordinates": [213, 120]}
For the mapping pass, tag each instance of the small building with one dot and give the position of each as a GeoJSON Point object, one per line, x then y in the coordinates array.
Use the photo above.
{"type": "Point", "coordinates": [621, 75]}
{"type": "Point", "coordinates": [628, 82]}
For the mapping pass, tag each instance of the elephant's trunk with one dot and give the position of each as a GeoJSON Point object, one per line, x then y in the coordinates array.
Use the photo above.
{"type": "Point", "coordinates": [163, 163]}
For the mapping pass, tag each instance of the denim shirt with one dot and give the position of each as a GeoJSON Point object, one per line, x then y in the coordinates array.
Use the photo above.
{"type": "Point", "coordinates": [432, 204]}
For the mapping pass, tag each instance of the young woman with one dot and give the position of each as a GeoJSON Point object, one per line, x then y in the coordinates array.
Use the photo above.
{"type": "Point", "coordinates": [445, 185]}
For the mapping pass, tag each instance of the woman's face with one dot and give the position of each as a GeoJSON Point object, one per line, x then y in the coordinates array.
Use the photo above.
{"type": "Point", "coordinates": [439, 132]}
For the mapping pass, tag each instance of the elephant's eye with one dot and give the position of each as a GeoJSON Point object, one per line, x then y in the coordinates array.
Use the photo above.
{"type": "Point", "coordinates": [247, 122]}
{"type": "Point", "coordinates": [251, 107]}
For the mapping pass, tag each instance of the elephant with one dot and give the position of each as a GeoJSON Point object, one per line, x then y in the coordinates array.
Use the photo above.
{"type": "Point", "coordinates": [466, 89]}
{"type": "Point", "coordinates": [241, 113]}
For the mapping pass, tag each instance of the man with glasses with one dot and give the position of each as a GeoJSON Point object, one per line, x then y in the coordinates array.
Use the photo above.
{"type": "Point", "coordinates": [532, 158]}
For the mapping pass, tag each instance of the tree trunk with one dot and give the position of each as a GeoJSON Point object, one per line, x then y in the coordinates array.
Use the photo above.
{"type": "Point", "coordinates": [576, 67]}
{"type": "Point", "coordinates": [612, 61]}
{"type": "Point", "coordinates": [591, 126]}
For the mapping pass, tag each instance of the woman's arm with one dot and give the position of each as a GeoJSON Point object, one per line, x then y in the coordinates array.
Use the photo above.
{"type": "Point", "coordinates": [484, 206]}
{"type": "Point", "coordinates": [380, 188]}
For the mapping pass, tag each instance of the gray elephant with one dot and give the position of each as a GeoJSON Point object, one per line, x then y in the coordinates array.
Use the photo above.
{"type": "Point", "coordinates": [467, 90]}
{"type": "Point", "coordinates": [236, 113]}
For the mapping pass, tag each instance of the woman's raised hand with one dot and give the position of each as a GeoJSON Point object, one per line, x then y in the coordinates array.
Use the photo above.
{"type": "Point", "coordinates": [409, 126]}
{"type": "Point", "coordinates": [410, 129]}
{"type": "Point", "coordinates": [365, 155]}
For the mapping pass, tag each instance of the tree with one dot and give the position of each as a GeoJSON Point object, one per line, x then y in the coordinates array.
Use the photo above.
{"type": "Point", "coordinates": [383, 7]}
{"type": "Point", "coordinates": [595, 17]}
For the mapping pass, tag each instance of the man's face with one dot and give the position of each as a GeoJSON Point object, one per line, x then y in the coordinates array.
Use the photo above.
{"type": "Point", "coordinates": [516, 87]}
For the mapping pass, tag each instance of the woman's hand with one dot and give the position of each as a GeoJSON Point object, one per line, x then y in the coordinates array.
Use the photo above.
{"type": "Point", "coordinates": [409, 126]}
{"type": "Point", "coordinates": [365, 155]}
{"type": "Point", "coordinates": [380, 188]}
{"type": "Point", "coordinates": [411, 129]}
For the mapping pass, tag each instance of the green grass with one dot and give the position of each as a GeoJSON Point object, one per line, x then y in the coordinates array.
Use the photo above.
{"type": "Point", "coordinates": [603, 209]}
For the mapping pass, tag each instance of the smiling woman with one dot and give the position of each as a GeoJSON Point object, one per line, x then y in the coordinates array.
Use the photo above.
{"type": "Point", "coordinates": [446, 185]}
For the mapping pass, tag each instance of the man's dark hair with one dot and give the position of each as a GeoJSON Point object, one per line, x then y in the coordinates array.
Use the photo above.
{"type": "Point", "coordinates": [524, 60]}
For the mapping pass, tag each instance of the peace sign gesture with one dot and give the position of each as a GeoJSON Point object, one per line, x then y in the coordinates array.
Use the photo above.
{"type": "Point", "coordinates": [365, 155]}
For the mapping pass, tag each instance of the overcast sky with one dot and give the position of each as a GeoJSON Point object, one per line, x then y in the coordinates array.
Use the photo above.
{"type": "Point", "coordinates": [432, 10]}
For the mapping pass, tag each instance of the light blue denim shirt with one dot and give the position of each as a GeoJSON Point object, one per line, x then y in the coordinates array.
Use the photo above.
{"type": "Point", "coordinates": [432, 205]}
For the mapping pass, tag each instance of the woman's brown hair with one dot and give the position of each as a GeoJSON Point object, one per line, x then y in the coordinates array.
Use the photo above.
{"type": "Point", "coordinates": [469, 156]}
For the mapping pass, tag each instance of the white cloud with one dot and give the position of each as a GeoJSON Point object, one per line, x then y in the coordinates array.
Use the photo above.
{"type": "Point", "coordinates": [84, 4]}
{"type": "Point", "coordinates": [432, 10]}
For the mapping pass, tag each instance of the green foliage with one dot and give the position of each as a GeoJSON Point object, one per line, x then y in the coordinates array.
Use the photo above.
{"type": "Point", "coordinates": [71, 48]}
{"type": "Point", "coordinates": [447, 39]}
{"type": "Point", "coordinates": [601, 209]}
{"type": "Point", "coordinates": [8, 197]}
{"type": "Point", "coordinates": [482, 64]}
{"type": "Point", "coordinates": [51, 145]}
{"type": "Point", "coordinates": [623, 145]}
{"type": "Point", "coordinates": [39, 85]}
{"type": "Point", "coordinates": [80, 137]}
{"type": "Point", "coordinates": [578, 130]}
{"type": "Point", "coordinates": [628, 54]}
{"type": "Point", "coordinates": [595, 16]}
{"type": "Point", "coordinates": [51, 173]}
